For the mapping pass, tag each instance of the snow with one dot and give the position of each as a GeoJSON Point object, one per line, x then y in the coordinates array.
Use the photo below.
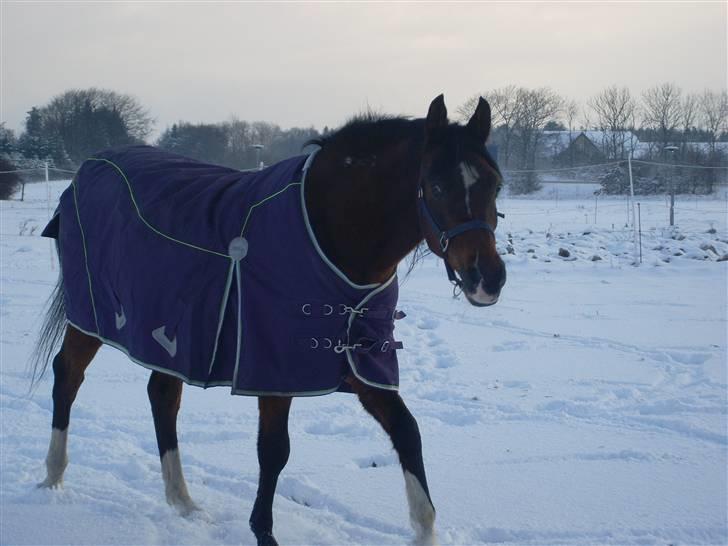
{"type": "Point", "coordinates": [587, 406]}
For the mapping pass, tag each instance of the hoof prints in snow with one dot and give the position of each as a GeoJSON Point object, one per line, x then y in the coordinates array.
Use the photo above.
{"type": "Point", "coordinates": [621, 419]}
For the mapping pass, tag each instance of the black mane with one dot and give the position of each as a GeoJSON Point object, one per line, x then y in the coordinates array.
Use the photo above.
{"type": "Point", "coordinates": [368, 129]}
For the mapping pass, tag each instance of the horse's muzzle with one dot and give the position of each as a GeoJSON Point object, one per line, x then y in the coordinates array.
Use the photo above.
{"type": "Point", "coordinates": [483, 290]}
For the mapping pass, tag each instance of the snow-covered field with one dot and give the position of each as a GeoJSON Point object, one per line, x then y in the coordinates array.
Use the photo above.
{"type": "Point", "coordinates": [587, 407]}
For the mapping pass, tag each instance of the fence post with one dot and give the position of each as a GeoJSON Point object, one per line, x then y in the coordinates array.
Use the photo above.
{"type": "Point", "coordinates": [631, 194]}
{"type": "Point", "coordinates": [639, 224]}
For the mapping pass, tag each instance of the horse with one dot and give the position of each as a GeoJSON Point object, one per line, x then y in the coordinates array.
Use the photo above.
{"type": "Point", "coordinates": [375, 189]}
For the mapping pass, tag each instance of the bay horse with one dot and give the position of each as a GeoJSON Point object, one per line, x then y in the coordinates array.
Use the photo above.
{"type": "Point", "coordinates": [377, 187]}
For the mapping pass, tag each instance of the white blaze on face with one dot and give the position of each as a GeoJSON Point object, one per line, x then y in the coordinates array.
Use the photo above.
{"type": "Point", "coordinates": [470, 177]}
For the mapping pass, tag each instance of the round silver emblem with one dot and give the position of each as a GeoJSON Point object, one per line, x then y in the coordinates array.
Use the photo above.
{"type": "Point", "coordinates": [238, 248]}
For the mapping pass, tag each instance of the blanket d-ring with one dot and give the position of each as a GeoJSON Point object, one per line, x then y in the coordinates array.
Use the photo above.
{"type": "Point", "coordinates": [215, 276]}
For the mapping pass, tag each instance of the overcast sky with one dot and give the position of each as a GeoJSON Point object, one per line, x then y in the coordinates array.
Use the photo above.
{"type": "Point", "coordinates": [302, 64]}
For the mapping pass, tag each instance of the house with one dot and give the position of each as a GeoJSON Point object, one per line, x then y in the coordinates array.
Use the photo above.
{"type": "Point", "coordinates": [587, 147]}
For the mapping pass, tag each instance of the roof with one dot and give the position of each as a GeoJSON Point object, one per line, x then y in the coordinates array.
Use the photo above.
{"type": "Point", "coordinates": [556, 142]}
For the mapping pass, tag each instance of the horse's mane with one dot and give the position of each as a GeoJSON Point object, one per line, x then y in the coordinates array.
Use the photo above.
{"type": "Point", "coordinates": [370, 128]}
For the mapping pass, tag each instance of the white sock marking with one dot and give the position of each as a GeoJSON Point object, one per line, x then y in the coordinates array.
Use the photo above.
{"type": "Point", "coordinates": [470, 177]}
{"type": "Point", "coordinates": [422, 514]}
{"type": "Point", "coordinates": [57, 459]}
{"type": "Point", "coordinates": [175, 486]}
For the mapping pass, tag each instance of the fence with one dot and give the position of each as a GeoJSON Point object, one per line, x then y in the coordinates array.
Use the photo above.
{"type": "Point", "coordinates": [623, 197]}
{"type": "Point", "coordinates": [573, 198]}
{"type": "Point", "coordinates": [44, 175]}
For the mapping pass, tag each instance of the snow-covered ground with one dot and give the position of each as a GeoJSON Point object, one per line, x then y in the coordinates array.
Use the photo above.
{"type": "Point", "coordinates": [587, 407]}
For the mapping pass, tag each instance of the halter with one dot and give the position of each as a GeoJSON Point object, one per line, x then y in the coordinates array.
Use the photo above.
{"type": "Point", "coordinates": [446, 235]}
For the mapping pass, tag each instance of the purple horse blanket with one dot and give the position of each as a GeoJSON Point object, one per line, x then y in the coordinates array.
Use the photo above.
{"type": "Point", "coordinates": [215, 276]}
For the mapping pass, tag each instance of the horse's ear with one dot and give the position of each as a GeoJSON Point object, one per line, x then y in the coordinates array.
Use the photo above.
{"type": "Point", "coordinates": [480, 122]}
{"type": "Point", "coordinates": [437, 114]}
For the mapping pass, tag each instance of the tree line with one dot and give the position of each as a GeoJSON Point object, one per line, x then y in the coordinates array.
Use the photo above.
{"type": "Point", "coordinates": [78, 122]}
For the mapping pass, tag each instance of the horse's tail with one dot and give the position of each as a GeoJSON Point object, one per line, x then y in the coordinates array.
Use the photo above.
{"type": "Point", "coordinates": [51, 333]}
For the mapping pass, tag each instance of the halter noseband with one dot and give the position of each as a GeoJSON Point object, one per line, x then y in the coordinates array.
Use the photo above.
{"type": "Point", "coordinates": [445, 235]}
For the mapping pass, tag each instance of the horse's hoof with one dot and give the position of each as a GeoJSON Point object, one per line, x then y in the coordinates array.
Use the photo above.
{"type": "Point", "coordinates": [50, 483]}
{"type": "Point", "coordinates": [266, 539]}
{"type": "Point", "coordinates": [426, 539]}
{"type": "Point", "coordinates": [186, 508]}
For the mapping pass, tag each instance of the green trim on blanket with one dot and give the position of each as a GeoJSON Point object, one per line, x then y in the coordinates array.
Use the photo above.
{"type": "Point", "coordinates": [202, 384]}
{"type": "Point", "coordinates": [271, 196]}
{"type": "Point", "coordinates": [85, 254]}
{"type": "Point", "coordinates": [221, 315]}
{"type": "Point", "coordinates": [312, 236]}
{"type": "Point", "coordinates": [141, 217]}
{"type": "Point", "coordinates": [349, 358]}
{"type": "Point", "coordinates": [162, 234]}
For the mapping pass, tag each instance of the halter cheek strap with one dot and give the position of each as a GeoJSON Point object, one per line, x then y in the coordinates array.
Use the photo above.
{"type": "Point", "coordinates": [445, 236]}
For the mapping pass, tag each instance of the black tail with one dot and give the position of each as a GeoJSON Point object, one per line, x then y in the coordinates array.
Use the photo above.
{"type": "Point", "coordinates": [50, 335]}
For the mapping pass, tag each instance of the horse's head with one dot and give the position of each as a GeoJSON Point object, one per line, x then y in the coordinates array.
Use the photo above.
{"type": "Point", "coordinates": [459, 183]}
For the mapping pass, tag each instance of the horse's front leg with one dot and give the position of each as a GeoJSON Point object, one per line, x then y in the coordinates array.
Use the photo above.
{"type": "Point", "coordinates": [273, 449]}
{"type": "Point", "coordinates": [388, 408]}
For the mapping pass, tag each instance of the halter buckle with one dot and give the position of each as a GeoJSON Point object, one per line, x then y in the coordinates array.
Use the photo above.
{"type": "Point", "coordinates": [444, 242]}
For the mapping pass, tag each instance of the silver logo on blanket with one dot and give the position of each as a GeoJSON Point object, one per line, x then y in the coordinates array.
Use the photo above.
{"type": "Point", "coordinates": [238, 248]}
{"type": "Point", "coordinates": [120, 319]}
{"type": "Point", "coordinates": [169, 345]}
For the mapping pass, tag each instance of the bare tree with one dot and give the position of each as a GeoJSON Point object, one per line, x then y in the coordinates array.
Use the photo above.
{"type": "Point", "coordinates": [534, 108]}
{"type": "Point", "coordinates": [662, 111]}
{"type": "Point", "coordinates": [614, 109]}
{"type": "Point", "coordinates": [239, 141]}
{"type": "Point", "coordinates": [504, 105]}
{"type": "Point", "coordinates": [713, 108]}
{"type": "Point", "coordinates": [571, 111]}
{"type": "Point", "coordinates": [689, 116]}
{"type": "Point", "coordinates": [465, 110]}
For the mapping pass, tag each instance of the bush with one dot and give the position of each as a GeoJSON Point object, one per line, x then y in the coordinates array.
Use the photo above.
{"type": "Point", "coordinates": [615, 181]}
{"type": "Point", "coordinates": [523, 183]}
{"type": "Point", "coordinates": [9, 182]}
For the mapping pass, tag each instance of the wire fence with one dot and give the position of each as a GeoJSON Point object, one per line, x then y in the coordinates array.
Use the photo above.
{"type": "Point", "coordinates": [570, 200]}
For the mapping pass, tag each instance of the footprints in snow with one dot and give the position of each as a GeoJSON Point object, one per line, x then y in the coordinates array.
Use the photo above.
{"type": "Point", "coordinates": [435, 350]}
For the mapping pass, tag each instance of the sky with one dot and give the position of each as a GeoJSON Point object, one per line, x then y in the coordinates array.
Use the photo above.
{"type": "Point", "coordinates": [316, 64]}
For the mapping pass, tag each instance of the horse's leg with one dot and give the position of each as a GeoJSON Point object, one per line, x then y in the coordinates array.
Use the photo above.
{"type": "Point", "coordinates": [69, 365]}
{"type": "Point", "coordinates": [165, 396]}
{"type": "Point", "coordinates": [388, 408]}
{"type": "Point", "coordinates": [273, 449]}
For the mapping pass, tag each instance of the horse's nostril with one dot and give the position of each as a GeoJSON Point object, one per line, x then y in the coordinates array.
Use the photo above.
{"type": "Point", "coordinates": [473, 276]}
{"type": "Point", "coordinates": [494, 279]}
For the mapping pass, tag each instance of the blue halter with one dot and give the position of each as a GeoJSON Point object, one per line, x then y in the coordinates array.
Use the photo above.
{"type": "Point", "coordinates": [444, 236]}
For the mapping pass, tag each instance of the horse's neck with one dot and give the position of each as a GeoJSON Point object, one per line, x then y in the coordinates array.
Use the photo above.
{"type": "Point", "coordinates": [363, 209]}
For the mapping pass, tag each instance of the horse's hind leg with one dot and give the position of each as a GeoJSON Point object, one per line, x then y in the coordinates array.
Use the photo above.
{"type": "Point", "coordinates": [165, 396]}
{"type": "Point", "coordinates": [69, 365]}
{"type": "Point", "coordinates": [388, 408]}
{"type": "Point", "coordinates": [273, 449]}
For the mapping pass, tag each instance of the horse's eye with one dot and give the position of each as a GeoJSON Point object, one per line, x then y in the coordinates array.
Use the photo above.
{"type": "Point", "coordinates": [436, 191]}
